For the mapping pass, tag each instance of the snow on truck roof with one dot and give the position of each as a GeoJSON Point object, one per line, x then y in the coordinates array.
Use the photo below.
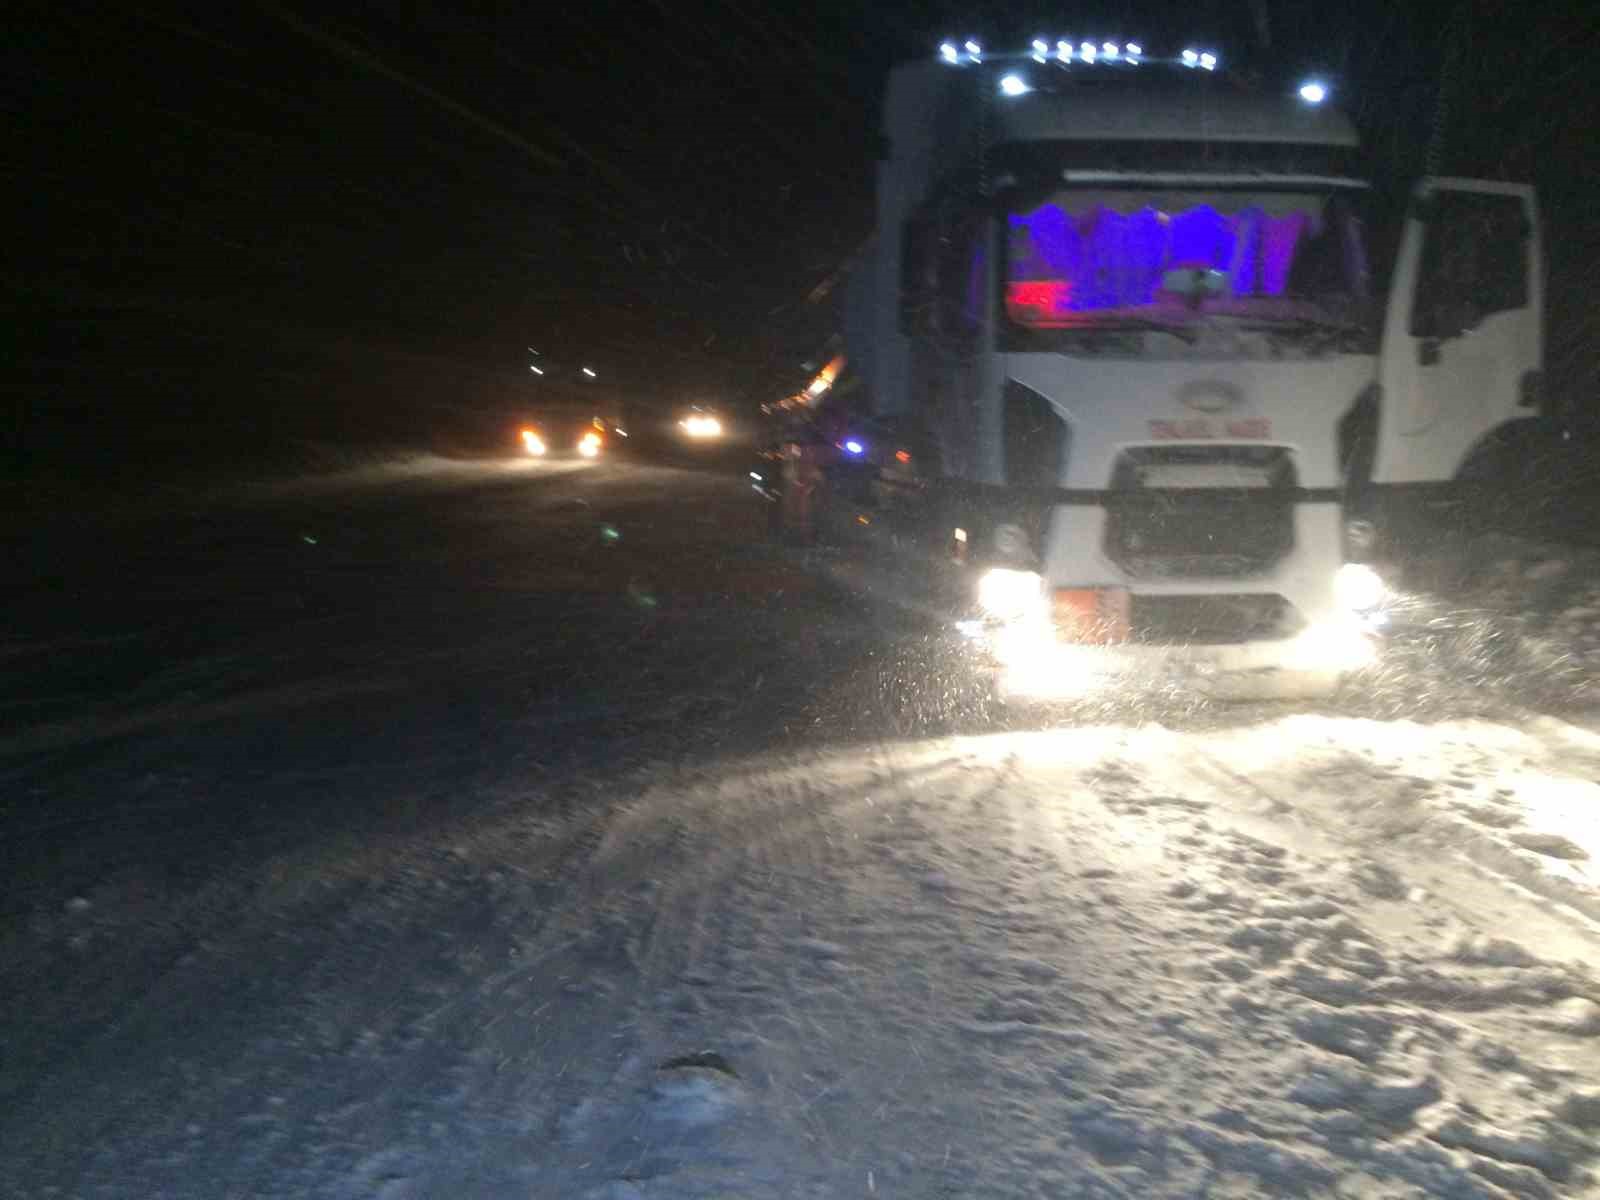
{"type": "Point", "coordinates": [1168, 116]}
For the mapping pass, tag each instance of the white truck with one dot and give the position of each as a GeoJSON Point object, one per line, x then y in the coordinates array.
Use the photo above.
{"type": "Point", "coordinates": [1129, 303]}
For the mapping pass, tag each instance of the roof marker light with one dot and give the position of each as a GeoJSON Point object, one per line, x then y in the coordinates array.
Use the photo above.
{"type": "Point", "coordinates": [949, 53]}
{"type": "Point", "coordinates": [1015, 85]}
{"type": "Point", "coordinates": [1313, 92]}
{"type": "Point", "coordinates": [1190, 58]}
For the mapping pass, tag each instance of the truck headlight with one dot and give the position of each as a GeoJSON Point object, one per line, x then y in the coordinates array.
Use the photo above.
{"type": "Point", "coordinates": [1010, 595]}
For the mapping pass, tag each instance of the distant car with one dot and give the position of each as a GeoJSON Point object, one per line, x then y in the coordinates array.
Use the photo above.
{"type": "Point", "coordinates": [567, 435]}
{"type": "Point", "coordinates": [701, 425]}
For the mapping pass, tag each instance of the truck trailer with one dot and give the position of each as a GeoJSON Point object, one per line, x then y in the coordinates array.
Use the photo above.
{"type": "Point", "coordinates": [1173, 419]}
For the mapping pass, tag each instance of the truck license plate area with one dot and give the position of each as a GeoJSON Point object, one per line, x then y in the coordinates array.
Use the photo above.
{"type": "Point", "coordinates": [1092, 616]}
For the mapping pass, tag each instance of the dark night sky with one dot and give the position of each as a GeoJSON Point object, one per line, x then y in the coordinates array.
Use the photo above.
{"type": "Point", "coordinates": [652, 187]}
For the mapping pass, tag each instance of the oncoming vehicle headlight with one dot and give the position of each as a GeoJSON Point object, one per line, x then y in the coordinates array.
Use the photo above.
{"type": "Point", "coordinates": [1009, 595]}
{"type": "Point", "coordinates": [532, 442]}
{"type": "Point", "coordinates": [1358, 588]}
{"type": "Point", "coordinates": [699, 425]}
{"type": "Point", "coordinates": [589, 444]}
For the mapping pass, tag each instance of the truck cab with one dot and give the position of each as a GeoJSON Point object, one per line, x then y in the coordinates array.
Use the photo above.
{"type": "Point", "coordinates": [1132, 304]}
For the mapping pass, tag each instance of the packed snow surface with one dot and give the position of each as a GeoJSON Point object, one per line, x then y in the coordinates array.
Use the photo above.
{"type": "Point", "coordinates": [1310, 956]}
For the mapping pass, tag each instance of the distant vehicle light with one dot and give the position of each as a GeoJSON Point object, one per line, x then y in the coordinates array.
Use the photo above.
{"type": "Point", "coordinates": [702, 426]}
{"type": "Point", "coordinates": [853, 446]}
{"type": "Point", "coordinates": [1087, 52]}
{"type": "Point", "coordinates": [1064, 51]}
{"type": "Point", "coordinates": [589, 371]}
{"type": "Point", "coordinates": [533, 443]}
{"type": "Point", "coordinates": [974, 48]}
{"type": "Point", "coordinates": [903, 456]}
{"type": "Point", "coordinates": [949, 53]}
{"type": "Point", "coordinates": [1015, 85]}
{"type": "Point", "coordinates": [589, 444]}
{"type": "Point", "coordinates": [1135, 50]}
{"type": "Point", "coordinates": [1111, 50]}
{"type": "Point", "coordinates": [1208, 61]}
{"type": "Point", "coordinates": [536, 370]}
{"type": "Point", "coordinates": [1041, 45]}
{"type": "Point", "coordinates": [757, 476]}
{"type": "Point", "coordinates": [1313, 92]}
{"type": "Point", "coordinates": [1191, 58]}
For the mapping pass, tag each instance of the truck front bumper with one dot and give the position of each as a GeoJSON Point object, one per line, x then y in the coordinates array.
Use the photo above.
{"type": "Point", "coordinates": [1031, 662]}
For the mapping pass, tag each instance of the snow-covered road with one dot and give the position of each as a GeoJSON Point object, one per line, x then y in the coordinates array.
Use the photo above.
{"type": "Point", "coordinates": [899, 944]}
{"type": "Point", "coordinates": [1312, 956]}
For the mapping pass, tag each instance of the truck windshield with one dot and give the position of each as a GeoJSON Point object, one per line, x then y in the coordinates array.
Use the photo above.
{"type": "Point", "coordinates": [1103, 260]}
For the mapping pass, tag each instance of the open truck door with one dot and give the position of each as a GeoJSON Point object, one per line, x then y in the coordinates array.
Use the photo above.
{"type": "Point", "coordinates": [1462, 338]}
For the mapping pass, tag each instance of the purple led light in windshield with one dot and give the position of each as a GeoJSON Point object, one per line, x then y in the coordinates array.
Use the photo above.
{"type": "Point", "coordinates": [1063, 263]}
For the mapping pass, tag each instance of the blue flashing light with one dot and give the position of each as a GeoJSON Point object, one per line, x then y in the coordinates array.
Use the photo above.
{"type": "Point", "coordinates": [854, 447]}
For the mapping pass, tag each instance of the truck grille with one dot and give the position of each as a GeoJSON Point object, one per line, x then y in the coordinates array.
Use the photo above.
{"type": "Point", "coordinates": [1187, 512]}
{"type": "Point", "coordinates": [1212, 620]}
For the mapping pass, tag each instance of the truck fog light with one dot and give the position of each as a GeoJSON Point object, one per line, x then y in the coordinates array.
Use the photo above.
{"type": "Point", "coordinates": [1008, 595]}
{"type": "Point", "coordinates": [1358, 588]}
